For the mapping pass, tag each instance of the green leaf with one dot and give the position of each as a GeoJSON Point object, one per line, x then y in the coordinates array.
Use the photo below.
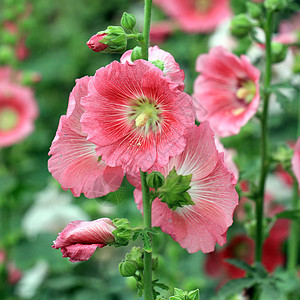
{"type": "Point", "coordinates": [269, 291]}
{"type": "Point", "coordinates": [147, 241]}
{"type": "Point", "coordinates": [236, 286]}
{"type": "Point", "coordinates": [241, 265]}
{"type": "Point", "coordinates": [289, 214]}
{"type": "Point", "coordinates": [160, 285]}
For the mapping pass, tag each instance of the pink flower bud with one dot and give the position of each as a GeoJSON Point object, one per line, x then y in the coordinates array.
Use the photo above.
{"type": "Point", "coordinates": [79, 239]}
{"type": "Point", "coordinates": [95, 44]}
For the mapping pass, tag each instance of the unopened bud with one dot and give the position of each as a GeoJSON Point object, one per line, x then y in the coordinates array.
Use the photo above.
{"type": "Point", "coordinates": [94, 43]}
{"type": "Point", "coordinates": [155, 180]}
{"type": "Point", "coordinates": [278, 52]}
{"type": "Point", "coordinates": [128, 21]}
{"type": "Point", "coordinates": [254, 9]}
{"type": "Point", "coordinates": [136, 53]}
{"type": "Point", "coordinates": [128, 268]}
{"type": "Point", "coordinates": [240, 25]}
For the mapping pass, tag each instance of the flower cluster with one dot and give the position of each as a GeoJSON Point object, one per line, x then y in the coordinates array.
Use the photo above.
{"type": "Point", "coordinates": [133, 116]}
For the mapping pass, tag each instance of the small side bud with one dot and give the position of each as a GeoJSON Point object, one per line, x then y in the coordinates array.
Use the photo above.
{"type": "Point", "coordinates": [136, 254]}
{"type": "Point", "coordinates": [254, 10]}
{"type": "Point", "coordinates": [136, 53]}
{"type": "Point", "coordinates": [128, 268]}
{"type": "Point", "coordinates": [274, 5]}
{"type": "Point", "coordinates": [183, 295]}
{"type": "Point", "coordinates": [155, 180]}
{"type": "Point", "coordinates": [7, 55]}
{"type": "Point", "coordinates": [240, 25]}
{"type": "Point", "coordinates": [128, 21]}
{"type": "Point", "coordinates": [154, 264]}
{"type": "Point", "coordinates": [278, 52]}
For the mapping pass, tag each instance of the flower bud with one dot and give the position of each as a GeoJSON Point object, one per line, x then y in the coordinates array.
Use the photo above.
{"type": "Point", "coordinates": [7, 55]}
{"type": "Point", "coordinates": [136, 53]}
{"type": "Point", "coordinates": [136, 254]}
{"type": "Point", "coordinates": [128, 268]}
{"type": "Point", "coordinates": [155, 180]}
{"type": "Point", "coordinates": [113, 40]}
{"type": "Point", "coordinates": [95, 44]}
{"type": "Point", "coordinates": [122, 233]}
{"type": "Point", "coordinates": [240, 25]}
{"type": "Point", "coordinates": [254, 10]}
{"type": "Point", "coordinates": [278, 52]}
{"type": "Point", "coordinates": [128, 21]}
{"type": "Point", "coordinates": [183, 295]}
{"type": "Point", "coordinates": [275, 4]}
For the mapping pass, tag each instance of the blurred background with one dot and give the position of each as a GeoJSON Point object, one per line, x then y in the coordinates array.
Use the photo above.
{"type": "Point", "coordinates": [44, 43]}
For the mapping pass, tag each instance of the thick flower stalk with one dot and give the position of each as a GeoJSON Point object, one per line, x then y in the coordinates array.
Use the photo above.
{"type": "Point", "coordinates": [74, 162]}
{"type": "Point", "coordinates": [228, 89]}
{"type": "Point", "coordinates": [80, 239]}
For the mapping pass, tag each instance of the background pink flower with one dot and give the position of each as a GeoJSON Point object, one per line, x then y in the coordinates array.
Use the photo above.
{"type": "Point", "coordinates": [196, 16]}
{"type": "Point", "coordinates": [171, 67]}
{"type": "Point", "coordinates": [79, 239]}
{"type": "Point", "coordinates": [135, 115]}
{"type": "Point", "coordinates": [18, 110]}
{"type": "Point", "coordinates": [200, 226]}
{"type": "Point", "coordinates": [74, 162]}
{"type": "Point", "coordinates": [228, 88]}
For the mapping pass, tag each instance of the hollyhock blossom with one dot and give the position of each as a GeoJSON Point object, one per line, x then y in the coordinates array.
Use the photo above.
{"type": "Point", "coordinates": [196, 16]}
{"type": "Point", "coordinates": [296, 161]}
{"type": "Point", "coordinates": [74, 162]}
{"type": "Point", "coordinates": [228, 88]}
{"type": "Point", "coordinates": [288, 30]}
{"type": "Point", "coordinates": [79, 239]}
{"type": "Point", "coordinates": [135, 115]}
{"type": "Point", "coordinates": [18, 110]}
{"type": "Point", "coordinates": [171, 68]}
{"type": "Point", "coordinates": [202, 225]}
{"type": "Point", "coordinates": [95, 44]}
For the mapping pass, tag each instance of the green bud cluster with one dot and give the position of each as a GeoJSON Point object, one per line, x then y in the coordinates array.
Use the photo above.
{"type": "Point", "coordinates": [183, 295]}
{"type": "Point", "coordinates": [174, 190]}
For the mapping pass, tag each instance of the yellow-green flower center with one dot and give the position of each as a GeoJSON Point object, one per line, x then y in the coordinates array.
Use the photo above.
{"type": "Point", "coordinates": [8, 119]}
{"type": "Point", "coordinates": [203, 5]}
{"type": "Point", "coordinates": [247, 91]}
{"type": "Point", "coordinates": [145, 114]}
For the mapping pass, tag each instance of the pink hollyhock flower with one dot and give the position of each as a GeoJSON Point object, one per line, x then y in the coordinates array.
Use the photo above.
{"type": "Point", "coordinates": [160, 31]}
{"type": "Point", "coordinates": [228, 159]}
{"type": "Point", "coordinates": [228, 88]}
{"type": "Point", "coordinates": [135, 115]}
{"type": "Point", "coordinates": [74, 162]}
{"type": "Point", "coordinates": [200, 226]}
{"type": "Point", "coordinates": [13, 273]}
{"type": "Point", "coordinates": [196, 16]}
{"type": "Point", "coordinates": [95, 44]}
{"type": "Point", "coordinates": [171, 67]}
{"type": "Point", "coordinates": [79, 239]}
{"type": "Point", "coordinates": [296, 161]}
{"type": "Point", "coordinates": [18, 110]}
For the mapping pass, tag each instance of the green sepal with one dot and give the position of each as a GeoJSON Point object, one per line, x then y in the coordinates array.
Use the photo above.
{"type": "Point", "coordinates": [116, 39]}
{"type": "Point", "coordinates": [136, 254]}
{"type": "Point", "coordinates": [158, 63]}
{"type": "Point", "coordinates": [174, 191]}
{"type": "Point", "coordinates": [183, 295]}
{"type": "Point", "coordinates": [123, 232]}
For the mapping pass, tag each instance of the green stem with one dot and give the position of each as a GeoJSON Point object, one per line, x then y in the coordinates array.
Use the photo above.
{"type": "Point", "coordinates": [293, 240]}
{"type": "Point", "coordinates": [147, 222]}
{"type": "Point", "coordinates": [146, 30]}
{"type": "Point", "coordinates": [264, 142]}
